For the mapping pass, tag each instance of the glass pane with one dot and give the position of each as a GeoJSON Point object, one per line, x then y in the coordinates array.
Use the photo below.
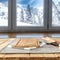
{"type": "Point", "coordinates": [4, 36]}
{"type": "Point", "coordinates": [29, 12]}
{"type": "Point", "coordinates": [55, 12]}
{"type": "Point", "coordinates": [55, 35]}
{"type": "Point", "coordinates": [3, 12]}
{"type": "Point", "coordinates": [29, 35]}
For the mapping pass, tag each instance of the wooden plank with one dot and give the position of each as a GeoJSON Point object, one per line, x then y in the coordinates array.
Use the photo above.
{"type": "Point", "coordinates": [39, 58]}
{"type": "Point", "coordinates": [7, 39]}
{"type": "Point", "coordinates": [36, 57]}
{"type": "Point", "coordinates": [4, 44]}
{"type": "Point", "coordinates": [16, 56]}
{"type": "Point", "coordinates": [50, 57]}
{"type": "Point", "coordinates": [23, 56]}
{"type": "Point", "coordinates": [2, 41]}
{"type": "Point", "coordinates": [1, 56]}
{"type": "Point", "coordinates": [58, 55]}
{"type": "Point", "coordinates": [9, 59]}
{"type": "Point", "coordinates": [30, 57]}
{"type": "Point", "coordinates": [16, 59]}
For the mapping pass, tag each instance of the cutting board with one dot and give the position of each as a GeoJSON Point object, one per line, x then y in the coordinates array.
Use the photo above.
{"type": "Point", "coordinates": [27, 42]}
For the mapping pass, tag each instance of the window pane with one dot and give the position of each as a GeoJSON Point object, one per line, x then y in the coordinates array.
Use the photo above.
{"type": "Point", "coordinates": [55, 35]}
{"type": "Point", "coordinates": [55, 12]}
{"type": "Point", "coordinates": [3, 12]}
{"type": "Point", "coordinates": [29, 35]}
{"type": "Point", "coordinates": [4, 36]}
{"type": "Point", "coordinates": [29, 12]}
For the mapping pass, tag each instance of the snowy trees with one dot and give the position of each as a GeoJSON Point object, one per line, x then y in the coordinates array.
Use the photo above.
{"type": "Point", "coordinates": [22, 16]}
{"type": "Point", "coordinates": [28, 14]}
{"type": "Point", "coordinates": [25, 15]}
{"type": "Point", "coordinates": [55, 14]}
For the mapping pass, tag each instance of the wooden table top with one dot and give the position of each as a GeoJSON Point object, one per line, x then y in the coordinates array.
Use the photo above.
{"type": "Point", "coordinates": [24, 55]}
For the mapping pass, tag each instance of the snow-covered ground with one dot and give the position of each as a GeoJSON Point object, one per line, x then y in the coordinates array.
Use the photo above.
{"type": "Point", "coordinates": [3, 22]}
{"type": "Point", "coordinates": [27, 24]}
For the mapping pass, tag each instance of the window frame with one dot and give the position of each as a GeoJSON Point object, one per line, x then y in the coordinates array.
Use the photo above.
{"type": "Point", "coordinates": [12, 20]}
{"type": "Point", "coordinates": [30, 28]}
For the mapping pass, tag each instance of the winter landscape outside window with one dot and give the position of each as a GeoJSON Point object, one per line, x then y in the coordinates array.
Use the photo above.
{"type": "Point", "coordinates": [55, 13]}
{"type": "Point", "coordinates": [30, 15]}
{"type": "Point", "coordinates": [3, 12]}
{"type": "Point", "coordinates": [30, 12]}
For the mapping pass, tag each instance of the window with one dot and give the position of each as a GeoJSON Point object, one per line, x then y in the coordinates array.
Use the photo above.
{"type": "Point", "coordinates": [29, 12]}
{"type": "Point", "coordinates": [3, 12]}
{"type": "Point", "coordinates": [4, 36]}
{"type": "Point", "coordinates": [4, 15]}
{"type": "Point", "coordinates": [55, 35]}
{"type": "Point", "coordinates": [54, 14]}
{"type": "Point", "coordinates": [29, 35]}
{"type": "Point", "coordinates": [30, 15]}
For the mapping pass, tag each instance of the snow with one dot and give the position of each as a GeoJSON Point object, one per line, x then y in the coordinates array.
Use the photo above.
{"type": "Point", "coordinates": [56, 15]}
{"type": "Point", "coordinates": [3, 22]}
{"type": "Point", "coordinates": [3, 14]}
{"type": "Point", "coordinates": [26, 24]}
{"type": "Point", "coordinates": [35, 20]}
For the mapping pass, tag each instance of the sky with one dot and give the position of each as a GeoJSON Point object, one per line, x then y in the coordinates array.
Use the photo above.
{"type": "Point", "coordinates": [26, 2]}
{"type": "Point", "coordinates": [3, 0]}
{"type": "Point", "coordinates": [31, 2]}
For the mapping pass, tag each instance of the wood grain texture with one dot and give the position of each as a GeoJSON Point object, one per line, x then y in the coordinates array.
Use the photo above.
{"type": "Point", "coordinates": [4, 44]}
{"type": "Point", "coordinates": [1, 56]}
{"type": "Point", "coordinates": [16, 57]}
{"type": "Point", "coordinates": [57, 39]}
{"type": "Point", "coordinates": [27, 42]}
{"type": "Point", "coordinates": [30, 56]}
